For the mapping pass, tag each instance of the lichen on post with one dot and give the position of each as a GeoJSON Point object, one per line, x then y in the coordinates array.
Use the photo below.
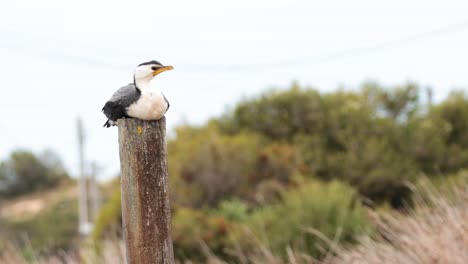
{"type": "Point", "coordinates": [146, 210]}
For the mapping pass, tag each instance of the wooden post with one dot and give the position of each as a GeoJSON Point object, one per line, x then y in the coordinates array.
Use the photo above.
{"type": "Point", "coordinates": [146, 210]}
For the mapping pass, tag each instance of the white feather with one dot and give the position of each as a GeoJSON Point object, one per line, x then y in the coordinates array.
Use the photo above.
{"type": "Point", "coordinates": [151, 105]}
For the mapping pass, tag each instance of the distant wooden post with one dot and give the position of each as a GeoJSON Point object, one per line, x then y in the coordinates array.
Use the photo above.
{"type": "Point", "coordinates": [146, 210]}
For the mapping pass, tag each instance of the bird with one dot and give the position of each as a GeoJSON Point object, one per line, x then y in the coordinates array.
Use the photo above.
{"type": "Point", "coordinates": [138, 99]}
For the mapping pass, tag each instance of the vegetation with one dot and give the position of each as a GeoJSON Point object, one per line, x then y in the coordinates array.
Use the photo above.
{"type": "Point", "coordinates": [24, 172]}
{"type": "Point", "coordinates": [434, 231]}
{"type": "Point", "coordinates": [295, 173]}
{"type": "Point", "coordinates": [52, 229]}
{"type": "Point", "coordinates": [38, 223]}
{"type": "Point", "coordinates": [376, 139]}
{"type": "Point", "coordinates": [332, 208]}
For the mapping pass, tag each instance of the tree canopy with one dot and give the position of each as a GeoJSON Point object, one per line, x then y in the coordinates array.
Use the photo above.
{"type": "Point", "coordinates": [25, 172]}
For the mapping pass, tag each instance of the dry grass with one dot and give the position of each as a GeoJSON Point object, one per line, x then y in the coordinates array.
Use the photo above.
{"type": "Point", "coordinates": [29, 205]}
{"type": "Point", "coordinates": [112, 252]}
{"type": "Point", "coordinates": [435, 231]}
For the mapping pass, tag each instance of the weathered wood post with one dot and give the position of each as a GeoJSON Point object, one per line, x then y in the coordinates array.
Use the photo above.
{"type": "Point", "coordinates": [146, 210]}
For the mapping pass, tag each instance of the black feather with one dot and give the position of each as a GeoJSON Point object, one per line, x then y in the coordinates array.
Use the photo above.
{"type": "Point", "coordinates": [167, 101]}
{"type": "Point", "coordinates": [118, 104]}
{"type": "Point", "coordinates": [107, 124]}
{"type": "Point", "coordinates": [150, 62]}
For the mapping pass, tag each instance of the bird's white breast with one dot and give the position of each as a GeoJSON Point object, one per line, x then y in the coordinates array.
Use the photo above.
{"type": "Point", "coordinates": [150, 106]}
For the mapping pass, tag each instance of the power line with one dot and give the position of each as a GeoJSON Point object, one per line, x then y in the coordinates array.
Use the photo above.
{"type": "Point", "coordinates": [385, 45]}
{"type": "Point", "coordinates": [67, 58]}
{"type": "Point", "coordinates": [307, 60]}
{"type": "Point", "coordinates": [301, 61]}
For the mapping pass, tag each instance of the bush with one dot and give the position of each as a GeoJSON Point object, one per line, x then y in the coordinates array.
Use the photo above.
{"type": "Point", "coordinates": [277, 114]}
{"type": "Point", "coordinates": [207, 167]}
{"type": "Point", "coordinates": [108, 221]}
{"type": "Point", "coordinates": [378, 139]}
{"type": "Point", "coordinates": [51, 230]}
{"type": "Point", "coordinates": [193, 229]}
{"type": "Point", "coordinates": [454, 112]}
{"type": "Point", "coordinates": [233, 210]}
{"type": "Point", "coordinates": [276, 161]}
{"type": "Point", "coordinates": [25, 172]}
{"type": "Point", "coordinates": [332, 209]}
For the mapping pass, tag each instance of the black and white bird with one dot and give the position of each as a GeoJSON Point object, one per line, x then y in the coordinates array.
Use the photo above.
{"type": "Point", "coordinates": [138, 99]}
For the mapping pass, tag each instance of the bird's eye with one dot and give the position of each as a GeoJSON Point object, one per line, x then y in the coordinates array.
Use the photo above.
{"type": "Point", "coordinates": [154, 68]}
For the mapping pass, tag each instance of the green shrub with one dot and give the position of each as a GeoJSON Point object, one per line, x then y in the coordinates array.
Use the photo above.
{"type": "Point", "coordinates": [109, 217]}
{"type": "Point", "coordinates": [331, 209]}
{"type": "Point", "coordinates": [377, 139]}
{"type": "Point", "coordinates": [233, 210]}
{"type": "Point", "coordinates": [454, 112]}
{"type": "Point", "coordinates": [192, 229]}
{"type": "Point", "coordinates": [276, 161]}
{"type": "Point", "coordinates": [277, 114]}
{"type": "Point", "coordinates": [53, 229]}
{"type": "Point", "coordinates": [24, 172]}
{"type": "Point", "coordinates": [207, 166]}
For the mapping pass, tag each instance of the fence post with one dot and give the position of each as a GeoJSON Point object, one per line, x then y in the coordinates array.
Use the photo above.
{"type": "Point", "coordinates": [146, 211]}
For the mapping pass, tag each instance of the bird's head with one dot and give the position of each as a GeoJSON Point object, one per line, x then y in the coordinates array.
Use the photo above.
{"type": "Point", "coordinates": [147, 70]}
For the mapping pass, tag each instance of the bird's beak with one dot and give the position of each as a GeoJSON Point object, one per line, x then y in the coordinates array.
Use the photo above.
{"type": "Point", "coordinates": [162, 69]}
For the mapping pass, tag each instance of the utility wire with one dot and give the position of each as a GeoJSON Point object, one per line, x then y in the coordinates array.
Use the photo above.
{"type": "Point", "coordinates": [261, 66]}
{"type": "Point", "coordinates": [67, 58]}
{"type": "Point", "coordinates": [308, 60]}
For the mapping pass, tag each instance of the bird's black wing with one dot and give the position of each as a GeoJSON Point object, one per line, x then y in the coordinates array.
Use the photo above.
{"type": "Point", "coordinates": [117, 105]}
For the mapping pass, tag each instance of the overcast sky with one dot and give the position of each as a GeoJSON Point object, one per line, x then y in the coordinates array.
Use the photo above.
{"type": "Point", "coordinates": [64, 59]}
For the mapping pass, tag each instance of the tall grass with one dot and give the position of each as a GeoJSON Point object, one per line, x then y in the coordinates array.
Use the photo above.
{"type": "Point", "coordinates": [434, 231]}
